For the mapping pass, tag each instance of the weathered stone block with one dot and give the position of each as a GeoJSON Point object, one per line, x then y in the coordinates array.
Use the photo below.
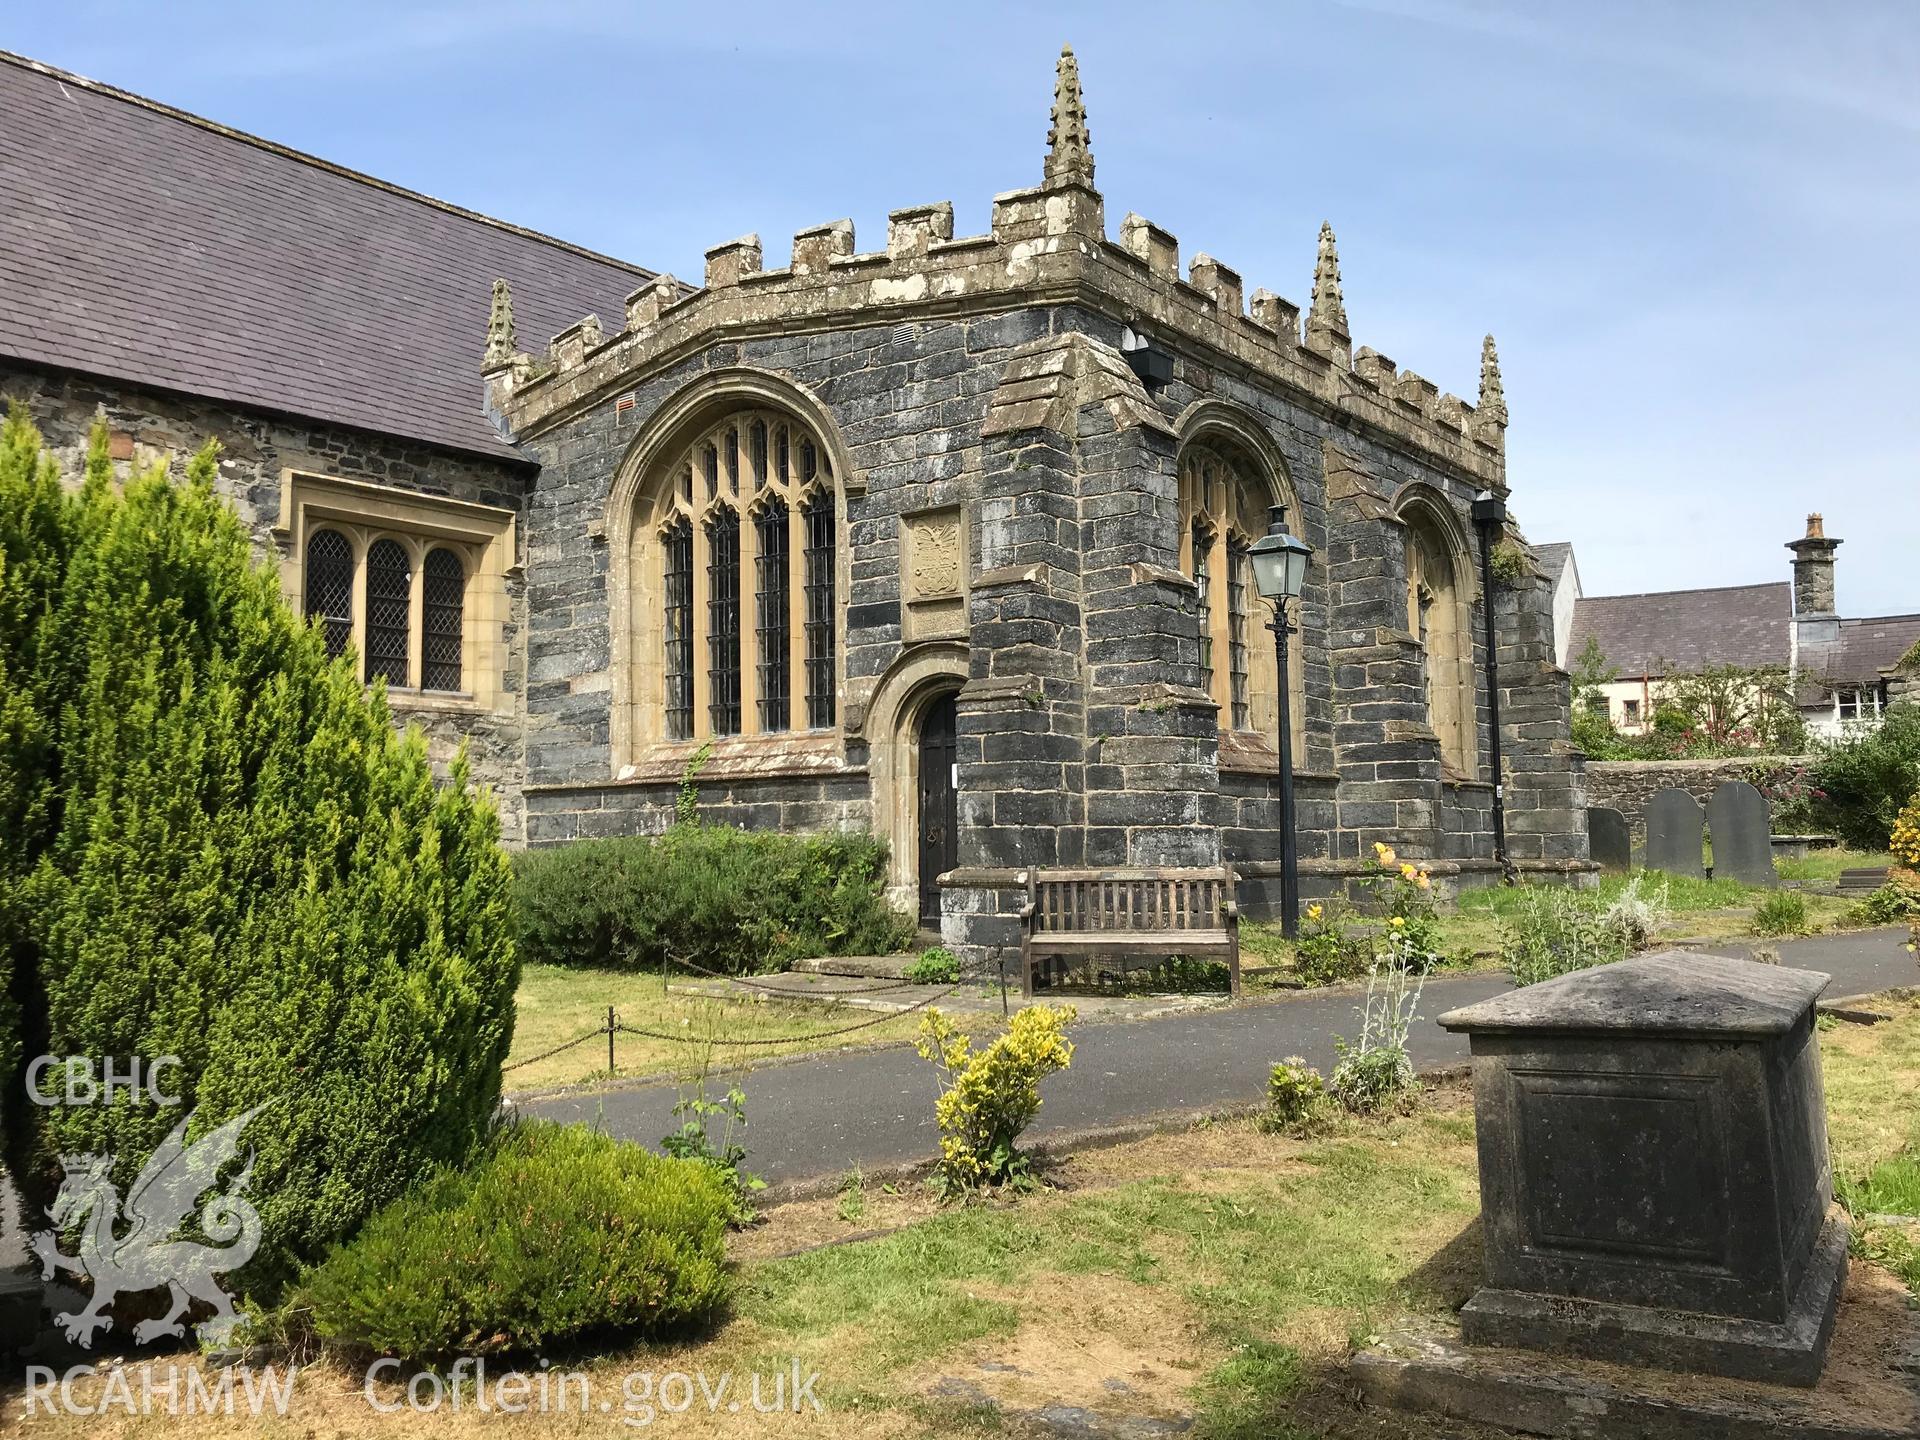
{"type": "Point", "coordinates": [1654, 1169]}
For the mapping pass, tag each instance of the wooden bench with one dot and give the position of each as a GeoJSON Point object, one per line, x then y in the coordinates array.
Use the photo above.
{"type": "Point", "coordinates": [1074, 914]}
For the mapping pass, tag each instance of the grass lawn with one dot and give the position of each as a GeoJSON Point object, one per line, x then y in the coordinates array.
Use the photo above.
{"type": "Point", "coordinates": [1473, 927]}
{"type": "Point", "coordinates": [1218, 1272]}
{"type": "Point", "coordinates": [1825, 866]}
{"type": "Point", "coordinates": [1873, 1102]}
{"type": "Point", "coordinates": [557, 1003]}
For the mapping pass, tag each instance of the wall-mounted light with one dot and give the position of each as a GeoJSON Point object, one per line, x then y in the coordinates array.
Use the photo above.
{"type": "Point", "coordinates": [1152, 363]}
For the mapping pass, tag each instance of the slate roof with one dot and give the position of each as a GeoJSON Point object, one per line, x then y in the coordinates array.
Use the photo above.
{"type": "Point", "coordinates": [1552, 557]}
{"type": "Point", "coordinates": [1869, 647]}
{"type": "Point", "coordinates": [1680, 631]}
{"type": "Point", "coordinates": [141, 243]}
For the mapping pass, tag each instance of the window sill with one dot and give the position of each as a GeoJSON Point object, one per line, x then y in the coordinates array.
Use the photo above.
{"type": "Point", "coordinates": [445, 702]}
{"type": "Point", "coordinates": [784, 752]}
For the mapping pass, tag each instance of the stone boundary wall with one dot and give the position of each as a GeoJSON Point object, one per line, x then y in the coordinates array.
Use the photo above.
{"type": "Point", "coordinates": [1629, 785]}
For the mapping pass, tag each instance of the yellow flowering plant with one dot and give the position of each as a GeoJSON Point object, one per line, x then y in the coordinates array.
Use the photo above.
{"type": "Point", "coordinates": [1905, 842]}
{"type": "Point", "coordinates": [1326, 949]}
{"type": "Point", "coordinates": [1404, 891]}
{"type": "Point", "coordinates": [990, 1096]}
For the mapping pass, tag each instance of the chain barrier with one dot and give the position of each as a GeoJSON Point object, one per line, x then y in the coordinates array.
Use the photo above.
{"type": "Point", "coordinates": [593, 1034]}
{"type": "Point", "coordinates": [614, 1025]}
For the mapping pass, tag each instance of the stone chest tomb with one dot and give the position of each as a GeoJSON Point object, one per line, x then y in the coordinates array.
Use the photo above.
{"type": "Point", "coordinates": [1653, 1168]}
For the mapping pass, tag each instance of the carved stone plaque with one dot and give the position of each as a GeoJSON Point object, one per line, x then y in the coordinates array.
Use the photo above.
{"type": "Point", "coordinates": [936, 556]}
{"type": "Point", "coordinates": [934, 574]}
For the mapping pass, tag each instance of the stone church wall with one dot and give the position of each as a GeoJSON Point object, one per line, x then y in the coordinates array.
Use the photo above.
{"type": "Point", "coordinates": [908, 400]}
{"type": "Point", "coordinates": [256, 450]}
{"type": "Point", "coordinates": [987, 386]}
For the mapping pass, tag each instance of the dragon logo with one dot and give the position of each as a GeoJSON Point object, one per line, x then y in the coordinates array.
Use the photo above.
{"type": "Point", "coordinates": [147, 1256]}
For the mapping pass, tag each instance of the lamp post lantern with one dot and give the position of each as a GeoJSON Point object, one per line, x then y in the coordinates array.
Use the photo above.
{"type": "Point", "coordinates": [1279, 563]}
{"type": "Point", "coordinates": [1490, 519]}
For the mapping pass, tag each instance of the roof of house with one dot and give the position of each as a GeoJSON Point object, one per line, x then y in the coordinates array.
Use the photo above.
{"type": "Point", "coordinates": [1552, 558]}
{"type": "Point", "coordinates": [144, 244]}
{"type": "Point", "coordinates": [1680, 631]}
{"type": "Point", "coordinates": [1870, 647]}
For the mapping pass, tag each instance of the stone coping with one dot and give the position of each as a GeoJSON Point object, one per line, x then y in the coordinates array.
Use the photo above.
{"type": "Point", "coordinates": [1671, 993]}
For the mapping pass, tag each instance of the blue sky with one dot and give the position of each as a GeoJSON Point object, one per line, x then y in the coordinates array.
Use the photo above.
{"type": "Point", "coordinates": [1692, 227]}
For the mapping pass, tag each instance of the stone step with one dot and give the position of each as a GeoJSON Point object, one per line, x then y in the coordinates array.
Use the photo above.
{"type": "Point", "coordinates": [1862, 881]}
{"type": "Point", "coordinates": [857, 967]}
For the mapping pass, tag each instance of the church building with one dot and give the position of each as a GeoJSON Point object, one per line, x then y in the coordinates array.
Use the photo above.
{"type": "Point", "coordinates": [947, 538]}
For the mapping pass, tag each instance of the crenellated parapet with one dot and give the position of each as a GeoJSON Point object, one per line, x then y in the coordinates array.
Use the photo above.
{"type": "Point", "coordinates": [1047, 245]}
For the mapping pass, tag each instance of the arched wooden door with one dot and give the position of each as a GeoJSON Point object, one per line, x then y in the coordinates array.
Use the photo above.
{"type": "Point", "coordinates": [939, 813]}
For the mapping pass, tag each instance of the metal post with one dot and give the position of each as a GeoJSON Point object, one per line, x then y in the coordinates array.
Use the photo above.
{"type": "Point", "coordinates": [1289, 848]}
{"type": "Point", "coordinates": [1493, 706]}
{"type": "Point", "coordinates": [609, 1040]}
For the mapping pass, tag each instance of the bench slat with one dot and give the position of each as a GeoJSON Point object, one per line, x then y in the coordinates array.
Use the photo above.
{"type": "Point", "coordinates": [1184, 942]}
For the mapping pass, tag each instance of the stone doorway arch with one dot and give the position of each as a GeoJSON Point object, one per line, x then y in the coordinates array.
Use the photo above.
{"type": "Point", "coordinates": [921, 677]}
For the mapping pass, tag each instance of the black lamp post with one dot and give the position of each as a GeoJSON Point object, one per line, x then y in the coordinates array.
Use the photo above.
{"type": "Point", "coordinates": [1490, 519]}
{"type": "Point", "coordinates": [1279, 569]}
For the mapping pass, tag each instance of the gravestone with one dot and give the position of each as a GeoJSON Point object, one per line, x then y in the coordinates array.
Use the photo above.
{"type": "Point", "coordinates": [1674, 823]}
{"type": "Point", "coordinates": [1609, 841]}
{"type": "Point", "coordinates": [1742, 834]}
{"type": "Point", "coordinates": [1654, 1176]}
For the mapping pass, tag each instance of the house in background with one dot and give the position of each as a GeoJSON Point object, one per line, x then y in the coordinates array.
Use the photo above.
{"type": "Point", "coordinates": [1555, 562]}
{"type": "Point", "coordinates": [1647, 638]}
{"type": "Point", "coordinates": [1847, 671]}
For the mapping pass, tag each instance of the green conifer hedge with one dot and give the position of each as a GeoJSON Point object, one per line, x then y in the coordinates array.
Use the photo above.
{"type": "Point", "coordinates": [214, 845]}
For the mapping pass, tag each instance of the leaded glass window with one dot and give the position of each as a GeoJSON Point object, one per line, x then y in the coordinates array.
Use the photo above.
{"type": "Point", "coordinates": [820, 612]}
{"type": "Point", "coordinates": [329, 598]}
{"type": "Point", "coordinates": [443, 591]}
{"type": "Point", "coordinates": [1225, 492]}
{"type": "Point", "coordinates": [723, 622]}
{"type": "Point", "coordinates": [1203, 600]}
{"type": "Point", "coordinates": [679, 630]}
{"type": "Point", "coordinates": [771, 626]}
{"type": "Point", "coordinates": [743, 590]}
{"type": "Point", "coordinates": [389, 603]}
{"type": "Point", "coordinates": [1237, 578]}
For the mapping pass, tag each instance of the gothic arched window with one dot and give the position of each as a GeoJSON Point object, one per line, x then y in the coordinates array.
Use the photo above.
{"type": "Point", "coordinates": [443, 595]}
{"type": "Point", "coordinates": [740, 632]}
{"type": "Point", "coordinates": [1224, 497]}
{"type": "Point", "coordinates": [1440, 618]}
{"type": "Point", "coordinates": [389, 606]}
{"type": "Point", "coordinates": [329, 596]}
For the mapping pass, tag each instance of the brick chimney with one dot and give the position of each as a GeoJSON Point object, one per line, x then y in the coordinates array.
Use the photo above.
{"type": "Point", "coordinates": [1816, 614]}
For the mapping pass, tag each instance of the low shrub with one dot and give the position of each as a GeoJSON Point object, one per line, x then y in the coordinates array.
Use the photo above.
{"type": "Point", "coordinates": [1404, 891]}
{"type": "Point", "coordinates": [1905, 839]}
{"type": "Point", "coordinates": [1783, 912]}
{"type": "Point", "coordinates": [1327, 951]}
{"type": "Point", "coordinates": [726, 1158]}
{"type": "Point", "coordinates": [1892, 903]}
{"type": "Point", "coordinates": [1867, 776]}
{"type": "Point", "coordinates": [1376, 1072]}
{"type": "Point", "coordinates": [989, 1097]}
{"type": "Point", "coordinates": [1296, 1098]}
{"type": "Point", "coordinates": [1556, 932]}
{"type": "Point", "coordinates": [936, 965]}
{"type": "Point", "coordinates": [1185, 975]}
{"type": "Point", "coordinates": [558, 1232]}
{"type": "Point", "coordinates": [1638, 911]}
{"type": "Point", "coordinates": [706, 896]}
